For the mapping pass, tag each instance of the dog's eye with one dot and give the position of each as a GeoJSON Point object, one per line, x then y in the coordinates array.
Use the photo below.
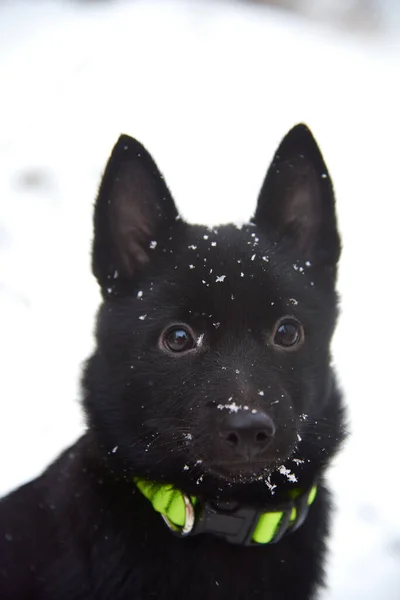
{"type": "Point", "coordinates": [178, 339]}
{"type": "Point", "coordinates": [289, 333]}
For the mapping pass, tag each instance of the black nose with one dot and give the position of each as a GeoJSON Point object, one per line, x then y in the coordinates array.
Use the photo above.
{"type": "Point", "coordinates": [246, 434]}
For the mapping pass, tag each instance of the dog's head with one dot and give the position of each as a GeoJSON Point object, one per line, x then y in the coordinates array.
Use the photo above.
{"type": "Point", "coordinates": [212, 368]}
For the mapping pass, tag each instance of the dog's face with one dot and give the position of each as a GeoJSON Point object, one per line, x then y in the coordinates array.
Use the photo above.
{"type": "Point", "coordinates": [212, 368]}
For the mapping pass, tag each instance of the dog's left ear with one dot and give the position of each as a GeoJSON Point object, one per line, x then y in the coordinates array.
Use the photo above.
{"type": "Point", "coordinates": [296, 201]}
{"type": "Point", "coordinates": [134, 209]}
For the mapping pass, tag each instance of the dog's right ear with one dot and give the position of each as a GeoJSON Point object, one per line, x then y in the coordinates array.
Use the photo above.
{"type": "Point", "coordinates": [133, 208]}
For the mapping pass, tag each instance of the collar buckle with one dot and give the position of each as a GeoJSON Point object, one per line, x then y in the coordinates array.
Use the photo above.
{"type": "Point", "coordinates": [237, 524]}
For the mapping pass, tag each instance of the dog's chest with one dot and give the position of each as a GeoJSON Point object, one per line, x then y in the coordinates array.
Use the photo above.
{"type": "Point", "coordinates": [182, 570]}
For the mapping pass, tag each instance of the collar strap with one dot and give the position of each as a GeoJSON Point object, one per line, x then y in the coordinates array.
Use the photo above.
{"type": "Point", "coordinates": [238, 524]}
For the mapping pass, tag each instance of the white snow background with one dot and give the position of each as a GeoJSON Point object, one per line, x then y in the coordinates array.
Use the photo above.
{"type": "Point", "coordinates": [210, 88]}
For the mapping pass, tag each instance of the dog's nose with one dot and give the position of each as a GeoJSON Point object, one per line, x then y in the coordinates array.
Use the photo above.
{"type": "Point", "coordinates": [246, 434]}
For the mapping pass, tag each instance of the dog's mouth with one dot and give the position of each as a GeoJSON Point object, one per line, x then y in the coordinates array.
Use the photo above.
{"type": "Point", "coordinates": [283, 463]}
{"type": "Point", "coordinates": [249, 468]}
{"type": "Point", "coordinates": [244, 471]}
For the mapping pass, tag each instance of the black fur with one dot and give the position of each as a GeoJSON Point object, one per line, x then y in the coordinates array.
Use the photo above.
{"type": "Point", "coordinates": [82, 530]}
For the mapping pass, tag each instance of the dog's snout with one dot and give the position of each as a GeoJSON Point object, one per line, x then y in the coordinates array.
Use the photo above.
{"type": "Point", "coordinates": [246, 434]}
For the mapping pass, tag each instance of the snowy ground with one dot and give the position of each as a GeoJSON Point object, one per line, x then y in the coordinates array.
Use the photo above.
{"type": "Point", "coordinates": [210, 88]}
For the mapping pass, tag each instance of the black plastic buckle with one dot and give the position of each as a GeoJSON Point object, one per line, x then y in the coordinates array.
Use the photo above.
{"type": "Point", "coordinates": [236, 523]}
{"type": "Point", "coordinates": [227, 521]}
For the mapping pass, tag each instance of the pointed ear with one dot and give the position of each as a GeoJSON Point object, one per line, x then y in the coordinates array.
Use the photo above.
{"type": "Point", "coordinates": [296, 202]}
{"type": "Point", "coordinates": [133, 208]}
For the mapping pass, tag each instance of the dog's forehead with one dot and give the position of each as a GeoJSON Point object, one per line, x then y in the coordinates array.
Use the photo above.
{"type": "Point", "coordinates": [231, 253]}
{"type": "Point", "coordinates": [226, 242]}
{"type": "Point", "coordinates": [224, 268]}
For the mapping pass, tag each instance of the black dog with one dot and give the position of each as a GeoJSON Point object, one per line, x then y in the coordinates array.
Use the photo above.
{"type": "Point", "coordinates": [210, 401]}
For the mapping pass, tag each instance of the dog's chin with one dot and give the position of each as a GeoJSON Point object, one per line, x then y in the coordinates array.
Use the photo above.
{"type": "Point", "coordinates": [246, 472]}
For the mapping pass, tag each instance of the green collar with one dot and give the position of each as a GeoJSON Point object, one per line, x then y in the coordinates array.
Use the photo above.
{"type": "Point", "coordinates": [243, 525]}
